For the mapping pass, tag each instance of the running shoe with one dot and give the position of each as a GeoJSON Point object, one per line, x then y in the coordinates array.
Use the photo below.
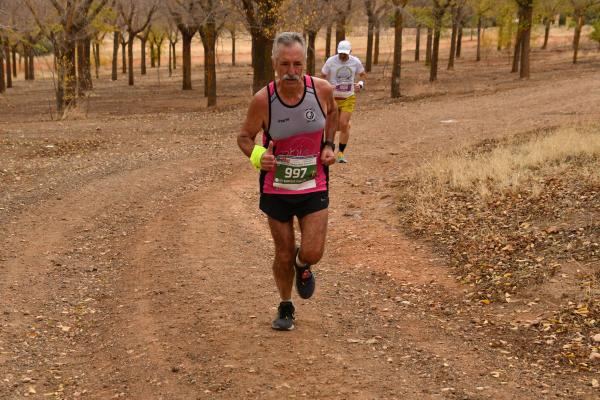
{"type": "Point", "coordinates": [305, 279]}
{"type": "Point", "coordinates": [340, 158]}
{"type": "Point", "coordinates": [285, 317]}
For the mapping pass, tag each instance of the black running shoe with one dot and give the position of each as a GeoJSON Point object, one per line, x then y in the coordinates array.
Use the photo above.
{"type": "Point", "coordinates": [285, 317]}
{"type": "Point", "coordinates": [305, 279]}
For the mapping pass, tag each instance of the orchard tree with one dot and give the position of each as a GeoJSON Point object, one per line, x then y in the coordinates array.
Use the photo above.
{"type": "Point", "coordinates": [481, 8]}
{"type": "Point", "coordinates": [136, 16]}
{"type": "Point", "coordinates": [312, 15]}
{"type": "Point", "coordinates": [398, 7]}
{"type": "Point", "coordinates": [261, 19]}
{"type": "Point", "coordinates": [547, 11]}
{"type": "Point", "coordinates": [342, 11]}
{"type": "Point", "coordinates": [421, 12]}
{"type": "Point", "coordinates": [457, 12]}
{"type": "Point", "coordinates": [522, 43]}
{"type": "Point", "coordinates": [579, 9]}
{"type": "Point", "coordinates": [64, 23]}
{"type": "Point", "coordinates": [374, 9]}
{"type": "Point", "coordinates": [210, 17]}
{"type": "Point", "coordinates": [595, 34]}
{"type": "Point", "coordinates": [182, 12]}
{"type": "Point", "coordinates": [439, 9]}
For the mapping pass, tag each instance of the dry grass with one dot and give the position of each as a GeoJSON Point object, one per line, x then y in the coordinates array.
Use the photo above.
{"type": "Point", "coordinates": [508, 215]}
{"type": "Point", "coordinates": [511, 167]}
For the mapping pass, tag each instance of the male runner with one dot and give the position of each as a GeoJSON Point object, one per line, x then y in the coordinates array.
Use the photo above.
{"type": "Point", "coordinates": [298, 117]}
{"type": "Point", "coordinates": [341, 70]}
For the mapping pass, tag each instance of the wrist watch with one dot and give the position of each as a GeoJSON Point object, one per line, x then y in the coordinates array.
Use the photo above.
{"type": "Point", "coordinates": [330, 144]}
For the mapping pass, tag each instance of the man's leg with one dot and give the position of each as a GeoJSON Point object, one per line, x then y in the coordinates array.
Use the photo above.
{"type": "Point", "coordinates": [314, 230]}
{"type": "Point", "coordinates": [283, 264]}
{"type": "Point", "coordinates": [344, 126]}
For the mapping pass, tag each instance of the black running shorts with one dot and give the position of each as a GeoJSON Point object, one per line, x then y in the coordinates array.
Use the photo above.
{"type": "Point", "coordinates": [283, 207]}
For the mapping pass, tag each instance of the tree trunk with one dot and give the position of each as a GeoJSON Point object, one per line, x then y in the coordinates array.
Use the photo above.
{"type": "Point", "coordinates": [2, 79]}
{"type": "Point", "coordinates": [124, 56]}
{"type": "Point", "coordinates": [500, 34]}
{"type": "Point", "coordinates": [340, 30]}
{"type": "Point", "coordinates": [97, 59]}
{"type": "Point", "coordinates": [453, 37]}
{"type": "Point", "coordinates": [187, 60]}
{"type": "Point", "coordinates": [518, 40]}
{"type": "Point", "coordinates": [418, 43]}
{"type": "Point", "coordinates": [115, 57]}
{"type": "Point", "coordinates": [80, 75]}
{"type": "Point", "coordinates": [170, 60]}
{"type": "Point", "coordinates": [25, 60]}
{"type": "Point", "coordinates": [328, 41]}
{"type": "Point", "coordinates": [152, 55]}
{"type": "Point", "coordinates": [174, 56]}
{"type": "Point", "coordinates": [370, 29]}
{"type": "Point", "coordinates": [578, 26]}
{"type": "Point", "coordinates": [525, 43]}
{"type": "Point", "coordinates": [66, 84]}
{"type": "Point", "coordinates": [478, 57]}
{"type": "Point", "coordinates": [546, 33]}
{"type": "Point", "coordinates": [434, 53]}
{"type": "Point", "coordinates": [310, 57]}
{"type": "Point", "coordinates": [87, 63]}
{"type": "Point", "coordinates": [459, 41]}
{"type": "Point", "coordinates": [158, 50]}
{"type": "Point", "coordinates": [428, 46]}
{"type": "Point", "coordinates": [396, 66]}
{"type": "Point", "coordinates": [209, 39]}
{"type": "Point", "coordinates": [376, 49]}
{"type": "Point", "coordinates": [30, 59]}
{"type": "Point", "coordinates": [143, 41]}
{"type": "Point", "coordinates": [130, 59]}
{"type": "Point", "coordinates": [14, 61]}
{"type": "Point", "coordinates": [8, 66]}
{"type": "Point", "coordinates": [261, 60]}
{"type": "Point", "coordinates": [233, 47]}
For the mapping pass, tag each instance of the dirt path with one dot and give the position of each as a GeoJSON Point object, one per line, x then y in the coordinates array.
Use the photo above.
{"type": "Point", "coordinates": [148, 277]}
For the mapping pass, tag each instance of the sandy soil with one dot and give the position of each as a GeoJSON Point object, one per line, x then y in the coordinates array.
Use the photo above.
{"type": "Point", "coordinates": [135, 262]}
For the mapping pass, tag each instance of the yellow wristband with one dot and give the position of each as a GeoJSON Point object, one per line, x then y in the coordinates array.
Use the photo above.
{"type": "Point", "coordinates": [256, 155]}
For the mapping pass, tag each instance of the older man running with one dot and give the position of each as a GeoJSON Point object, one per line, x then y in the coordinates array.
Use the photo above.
{"type": "Point", "coordinates": [298, 117]}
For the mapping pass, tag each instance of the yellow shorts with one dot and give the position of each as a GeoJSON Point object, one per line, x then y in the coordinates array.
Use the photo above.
{"type": "Point", "coordinates": [346, 104]}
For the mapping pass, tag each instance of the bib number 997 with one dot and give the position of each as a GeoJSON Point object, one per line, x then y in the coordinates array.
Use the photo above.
{"type": "Point", "coordinates": [295, 173]}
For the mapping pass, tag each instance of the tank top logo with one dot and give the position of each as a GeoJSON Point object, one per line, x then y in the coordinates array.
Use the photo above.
{"type": "Point", "coordinates": [309, 114]}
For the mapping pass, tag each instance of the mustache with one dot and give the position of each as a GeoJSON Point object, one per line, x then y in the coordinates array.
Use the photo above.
{"type": "Point", "coordinates": [289, 77]}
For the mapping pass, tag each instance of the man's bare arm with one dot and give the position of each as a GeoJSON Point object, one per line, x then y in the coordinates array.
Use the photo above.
{"type": "Point", "coordinates": [331, 122]}
{"type": "Point", "coordinates": [253, 124]}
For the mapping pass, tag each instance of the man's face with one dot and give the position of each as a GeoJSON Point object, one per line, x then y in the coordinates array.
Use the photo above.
{"type": "Point", "coordinates": [289, 64]}
{"type": "Point", "coordinates": [343, 56]}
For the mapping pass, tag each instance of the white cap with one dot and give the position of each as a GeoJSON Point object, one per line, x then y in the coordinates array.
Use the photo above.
{"type": "Point", "coordinates": [344, 47]}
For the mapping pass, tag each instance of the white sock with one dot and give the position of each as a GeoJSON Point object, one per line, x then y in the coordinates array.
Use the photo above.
{"type": "Point", "coordinates": [299, 263]}
{"type": "Point", "coordinates": [286, 301]}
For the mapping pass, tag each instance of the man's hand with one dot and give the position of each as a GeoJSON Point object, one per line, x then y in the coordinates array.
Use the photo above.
{"type": "Point", "coordinates": [327, 156]}
{"type": "Point", "coordinates": [267, 161]}
{"type": "Point", "coordinates": [358, 86]}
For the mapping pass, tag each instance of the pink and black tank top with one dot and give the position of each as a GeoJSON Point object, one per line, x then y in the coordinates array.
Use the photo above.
{"type": "Point", "coordinates": [297, 133]}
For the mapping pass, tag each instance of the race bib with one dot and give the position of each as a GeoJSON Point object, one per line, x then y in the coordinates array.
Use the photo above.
{"type": "Point", "coordinates": [344, 87]}
{"type": "Point", "coordinates": [295, 172]}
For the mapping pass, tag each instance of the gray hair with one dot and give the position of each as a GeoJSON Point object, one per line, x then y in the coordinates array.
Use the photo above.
{"type": "Point", "coordinates": [287, 39]}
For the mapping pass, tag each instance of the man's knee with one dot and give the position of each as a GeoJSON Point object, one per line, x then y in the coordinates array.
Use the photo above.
{"type": "Point", "coordinates": [344, 125]}
{"type": "Point", "coordinates": [311, 255]}
{"type": "Point", "coordinates": [285, 256]}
